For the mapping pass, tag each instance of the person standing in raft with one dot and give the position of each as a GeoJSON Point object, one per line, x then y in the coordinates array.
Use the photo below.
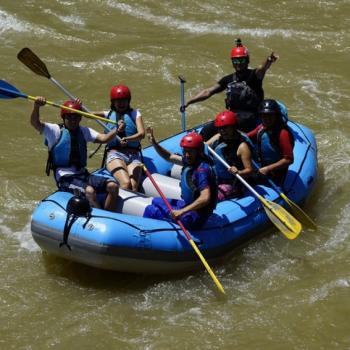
{"type": "Point", "coordinates": [244, 91]}
{"type": "Point", "coordinates": [124, 159]}
{"type": "Point", "coordinates": [198, 184]}
{"type": "Point", "coordinates": [67, 144]}
{"type": "Point", "coordinates": [229, 144]}
{"type": "Point", "coordinates": [274, 142]}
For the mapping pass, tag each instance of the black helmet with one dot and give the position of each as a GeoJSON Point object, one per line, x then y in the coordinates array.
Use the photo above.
{"type": "Point", "coordinates": [78, 206]}
{"type": "Point", "coordinates": [269, 106]}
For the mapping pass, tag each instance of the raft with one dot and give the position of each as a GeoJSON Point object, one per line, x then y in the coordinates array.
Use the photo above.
{"type": "Point", "coordinates": [125, 241]}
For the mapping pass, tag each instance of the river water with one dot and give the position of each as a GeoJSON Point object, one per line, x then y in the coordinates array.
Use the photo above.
{"type": "Point", "coordinates": [281, 294]}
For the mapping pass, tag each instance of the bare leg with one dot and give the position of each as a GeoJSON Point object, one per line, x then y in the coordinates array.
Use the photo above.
{"type": "Point", "coordinates": [90, 194]}
{"type": "Point", "coordinates": [119, 170]}
{"type": "Point", "coordinates": [112, 195]}
{"type": "Point", "coordinates": [135, 171]}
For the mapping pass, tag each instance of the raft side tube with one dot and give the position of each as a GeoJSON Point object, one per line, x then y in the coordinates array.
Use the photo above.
{"type": "Point", "coordinates": [132, 203]}
{"type": "Point", "coordinates": [169, 186]}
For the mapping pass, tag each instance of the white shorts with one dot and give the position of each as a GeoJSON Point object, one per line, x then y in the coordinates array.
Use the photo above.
{"type": "Point", "coordinates": [127, 157]}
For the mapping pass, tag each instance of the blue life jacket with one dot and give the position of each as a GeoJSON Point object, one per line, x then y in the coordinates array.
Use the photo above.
{"type": "Point", "coordinates": [130, 129]}
{"type": "Point", "coordinates": [69, 150]}
{"type": "Point", "coordinates": [284, 111]}
{"type": "Point", "coordinates": [229, 153]}
{"type": "Point", "coordinates": [189, 191]}
{"type": "Point", "coordinates": [267, 147]}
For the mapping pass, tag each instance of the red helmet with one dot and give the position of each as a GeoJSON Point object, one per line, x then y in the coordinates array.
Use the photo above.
{"type": "Point", "coordinates": [239, 51]}
{"type": "Point", "coordinates": [225, 118]}
{"type": "Point", "coordinates": [119, 92]}
{"type": "Point", "coordinates": [192, 140]}
{"type": "Point", "coordinates": [70, 104]}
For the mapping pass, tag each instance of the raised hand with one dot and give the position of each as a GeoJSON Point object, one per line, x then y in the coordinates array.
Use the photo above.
{"type": "Point", "coordinates": [40, 101]}
{"type": "Point", "coordinates": [273, 58]}
{"type": "Point", "coordinates": [150, 135]}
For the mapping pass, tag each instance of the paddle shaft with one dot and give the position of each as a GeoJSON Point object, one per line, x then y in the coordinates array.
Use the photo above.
{"type": "Point", "coordinates": [36, 65]}
{"type": "Point", "coordinates": [85, 114]}
{"type": "Point", "coordinates": [283, 220]}
{"type": "Point", "coordinates": [245, 183]}
{"type": "Point", "coordinates": [61, 87]}
{"type": "Point", "coordinates": [166, 201]}
{"type": "Point", "coordinates": [182, 97]}
{"type": "Point", "coordinates": [188, 236]}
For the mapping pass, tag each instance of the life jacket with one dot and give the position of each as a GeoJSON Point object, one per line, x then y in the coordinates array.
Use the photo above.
{"type": "Point", "coordinates": [268, 151]}
{"type": "Point", "coordinates": [130, 128]}
{"type": "Point", "coordinates": [284, 112]}
{"type": "Point", "coordinates": [245, 94]}
{"type": "Point", "coordinates": [229, 153]}
{"type": "Point", "coordinates": [70, 149]}
{"type": "Point", "coordinates": [189, 191]}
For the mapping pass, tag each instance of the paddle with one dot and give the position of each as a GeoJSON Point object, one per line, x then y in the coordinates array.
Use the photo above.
{"type": "Point", "coordinates": [283, 220]}
{"type": "Point", "coordinates": [296, 210]}
{"type": "Point", "coordinates": [35, 64]}
{"type": "Point", "coordinates": [8, 91]}
{"type": "Point", "coordinates": [201, 257]}
{"type": "Point", "coordinates": [182, 95]}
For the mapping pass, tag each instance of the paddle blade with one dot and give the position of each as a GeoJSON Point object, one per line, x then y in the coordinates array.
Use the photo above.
{"type": "Point", "coordinates": [8, 91]}
{"type": "Point", "coordinates": [299, 213]}
{"type": "Point", "coordinates": [33, 62]}
{"type": "Point", "coordinates": [284, 221]}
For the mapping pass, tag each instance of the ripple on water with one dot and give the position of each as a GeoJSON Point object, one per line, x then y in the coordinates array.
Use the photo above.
{"type": "Point", "coordinates": [72, 20]}
{"type": "Point", "coordinates": [10, 23]}
{"type": "Point", "coordinates": [215, 26]}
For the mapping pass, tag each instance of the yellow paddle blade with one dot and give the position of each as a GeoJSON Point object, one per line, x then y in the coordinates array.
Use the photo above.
{"type": "Point", "coordinates": [284, 221]}
{"type": "Point", "coordinates": [299, 213]}
{"type": "Point", "coordinates": [210, 271]}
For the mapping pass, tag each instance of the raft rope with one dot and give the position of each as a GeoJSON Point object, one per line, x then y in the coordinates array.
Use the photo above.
{"type": "Point", "coordinates": [115, 219]}
{"type": "Point", "coordinates": [174, 228]}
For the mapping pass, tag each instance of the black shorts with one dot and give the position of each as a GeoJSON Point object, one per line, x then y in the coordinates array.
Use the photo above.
{"type": "Point", "coordinates": [70, 183]}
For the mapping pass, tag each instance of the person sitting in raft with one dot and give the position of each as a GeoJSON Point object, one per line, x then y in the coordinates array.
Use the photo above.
{"type": "Point", "coordinates": [274, 142]}
{"type": "Point", "coordinates": [67, 144]}
{"type": "Point", "coordinates": [244, 90]}
{"type": "Point", "coordinates": [198, 184]}
{"type": "Point", "coordinates": [124, 157]}
{"type": "Point", "coordinates": [229, 144]}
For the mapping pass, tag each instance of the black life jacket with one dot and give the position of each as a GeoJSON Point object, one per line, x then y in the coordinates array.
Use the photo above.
{"type": "Point", "coordinates": [244, 93]}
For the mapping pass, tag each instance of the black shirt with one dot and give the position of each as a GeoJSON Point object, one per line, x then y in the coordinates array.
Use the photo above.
{"type": "Point", "coordinates": [249, 77]}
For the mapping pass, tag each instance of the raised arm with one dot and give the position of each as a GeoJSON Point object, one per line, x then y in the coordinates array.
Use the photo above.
{"type": "Point", "coordinates": [35, 116]}
{"type": "Point", "coordinates": [261, 70]}
{"type": "Point", "coordinates": [171, 157]}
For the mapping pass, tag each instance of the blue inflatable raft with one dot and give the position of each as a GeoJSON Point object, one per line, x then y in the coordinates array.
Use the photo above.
{"type": "Point", "coordinates": [125, 241]}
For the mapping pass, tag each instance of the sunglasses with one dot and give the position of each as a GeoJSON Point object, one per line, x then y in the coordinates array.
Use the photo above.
{"type": "Point", "coordinates": [240, 60]}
